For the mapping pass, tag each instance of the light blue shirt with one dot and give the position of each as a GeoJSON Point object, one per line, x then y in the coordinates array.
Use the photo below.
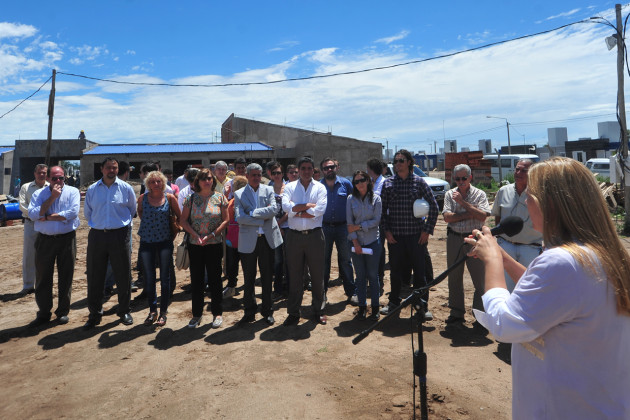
{"type": "Point", "coordinates": [378, 185]}
{"type": "Point", "coordinates": [109, 207]}
{"type": "Point", "coordinates": [67, 205]}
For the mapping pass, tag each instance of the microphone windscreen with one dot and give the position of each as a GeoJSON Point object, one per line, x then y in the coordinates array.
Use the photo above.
{"type": "Point", "coordinates": [510, 226]}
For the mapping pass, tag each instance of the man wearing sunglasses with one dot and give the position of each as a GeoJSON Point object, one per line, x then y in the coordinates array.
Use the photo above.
{"type": "Point", "coordinates": [335, 227]}
{"type": "Point", "coordinates": [55, 210]}
{"type": "Point", "coordinates": [465, 208]}
{"type": "Point", "coordinates": [407, 236]}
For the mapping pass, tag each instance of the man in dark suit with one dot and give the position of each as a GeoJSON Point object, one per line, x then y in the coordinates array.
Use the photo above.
{"type": "Point", "coordinates": [255, 208]}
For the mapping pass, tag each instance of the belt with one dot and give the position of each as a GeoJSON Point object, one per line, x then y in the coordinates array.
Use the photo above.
{"type": "Point", "coordinates": [59, 235]}
{"type": "Point", "coordinates": [333, 223]}
{"type": "Point", "coordinates": [462, 235]}
{"type": "Point", "coordinates": [518, 243]}
{"type": "Point", "coordinates": [110, 230]}
{"type": "Point", "coordinates": [306, 232]}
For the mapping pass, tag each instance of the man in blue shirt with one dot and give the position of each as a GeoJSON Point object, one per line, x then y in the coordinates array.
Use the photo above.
{"type": "Point", "coordinates": [110, 204]}
{"type": "Point", "coordinates": [55, 210]}
{"type": "Point", "coordinates": [335, 227]}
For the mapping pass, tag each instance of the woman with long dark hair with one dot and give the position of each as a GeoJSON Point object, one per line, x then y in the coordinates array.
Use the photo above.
{"type": "Point", "coordinates": [363, 215]}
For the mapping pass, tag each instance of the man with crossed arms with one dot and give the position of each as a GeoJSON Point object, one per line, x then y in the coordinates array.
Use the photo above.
{"type": "Point", "coordinates": [255, 208]}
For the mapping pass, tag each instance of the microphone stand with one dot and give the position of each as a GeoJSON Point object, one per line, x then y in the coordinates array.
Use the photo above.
{"type": "Point", "coordinates": [419, 356]}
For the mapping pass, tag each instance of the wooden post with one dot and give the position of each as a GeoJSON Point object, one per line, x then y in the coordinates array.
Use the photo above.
{"type": "Point", "coordinates": [621, 103]}
{"type": "Point", "coordinates": [51, 112]}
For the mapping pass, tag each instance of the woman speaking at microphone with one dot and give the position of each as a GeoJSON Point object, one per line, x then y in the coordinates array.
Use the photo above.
{"type": "Point", "coordinates": [569, 315]}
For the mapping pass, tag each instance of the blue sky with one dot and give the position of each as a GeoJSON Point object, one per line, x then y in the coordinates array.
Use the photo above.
{"type": "Point", "coordinates": [566, 78]}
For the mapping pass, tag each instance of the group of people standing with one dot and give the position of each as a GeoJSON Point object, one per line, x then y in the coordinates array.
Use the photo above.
{"type": "Point", "coordinates": [559, 290]}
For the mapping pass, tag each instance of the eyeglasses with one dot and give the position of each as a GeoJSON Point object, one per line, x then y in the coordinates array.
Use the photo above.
{"type": "Point", "coordinates": [400, 160]}
{"type": "Point", "coordinates": [57, 178]}
{"type": "Point", "coordinates": [464, 178]}
{"type": "Point", "coordinates": [329, 168]}
{"type": "Point", "coordinates": [359, 181]}
{"type": "Point", "coordinates": [274, 173]}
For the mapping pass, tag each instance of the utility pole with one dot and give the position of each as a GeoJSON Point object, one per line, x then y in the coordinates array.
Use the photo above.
{"type": "Point", "coordinates": [51, 112]}
{"type": "Point", "coordinates": [621, 102]}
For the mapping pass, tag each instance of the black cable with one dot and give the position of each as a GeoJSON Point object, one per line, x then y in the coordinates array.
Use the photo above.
{"type": "Point", "coordinates": [25, 99]}
{"type": "Point", "coordinates": [340, 73]}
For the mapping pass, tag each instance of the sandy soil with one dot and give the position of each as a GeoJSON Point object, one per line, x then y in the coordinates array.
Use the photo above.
{"type": "Point", "coordinates": [306, 371]}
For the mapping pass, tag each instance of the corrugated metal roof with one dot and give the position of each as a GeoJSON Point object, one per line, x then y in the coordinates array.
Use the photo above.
{"type": "Point", "coordinates": [117, 149]}
{"type": "Point", "coordinates": [6, 149]}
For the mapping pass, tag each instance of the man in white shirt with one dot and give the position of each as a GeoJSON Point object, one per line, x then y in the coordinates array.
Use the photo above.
{"type": "Point", "coordinates": [182, 181]}
{"type": "Point", "coordinates": [305, 202]}
{"type": "Point", "coordinates": [191, 173]}
{"type": "Point", "coordinates": [28, 249]}
{"type": "Point", "coordinates": [55, 210]}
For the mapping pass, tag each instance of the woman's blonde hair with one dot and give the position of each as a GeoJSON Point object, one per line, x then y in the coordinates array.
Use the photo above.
{"type": "Point", "coordinates": [575, 213]}
{"type": "Point", "coordinates": [153, 175]}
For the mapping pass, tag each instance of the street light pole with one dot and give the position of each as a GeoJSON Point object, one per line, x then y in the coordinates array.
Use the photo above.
{"type": "Point", "coordinates": [507, 125]}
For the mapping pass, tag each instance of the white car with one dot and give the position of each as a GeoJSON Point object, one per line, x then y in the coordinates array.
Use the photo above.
{"type": "Point", "coordinates": [438, 186]}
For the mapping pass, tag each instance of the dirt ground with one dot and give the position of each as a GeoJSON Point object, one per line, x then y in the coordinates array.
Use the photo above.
{"type": "Point", "coordinates": [307, 371]}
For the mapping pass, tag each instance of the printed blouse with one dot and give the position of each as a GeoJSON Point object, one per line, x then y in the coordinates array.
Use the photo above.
{"type": "Point", "coordinates": [205, 214]}
{"type": "Point", "coordinates": [155, 224]}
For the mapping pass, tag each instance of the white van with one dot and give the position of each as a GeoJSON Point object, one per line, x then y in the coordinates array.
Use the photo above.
{"type": "Point", "coordinates": [501, 169]}
{"type": "Point", "coordinates": [600, 166]}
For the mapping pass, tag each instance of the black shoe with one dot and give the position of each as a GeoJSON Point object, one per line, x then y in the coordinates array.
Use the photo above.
{"type": "Point", "coordinates": [270, 320]}
{"type": "Point", "coordinates": [291, 320]}
{"type": "Point", "coordinates": [91, 323]}
{"type": "Point", "coordinates": [454, 320]}
{"type": "Point", "coordinates": [63, 319]}
{"type": "Point", "coordinates": [40, 320]}
{"type": "Point", "coordinates": [126, 319]}
{"type": "Point", "coordinates": [361, 315]}
{"type": "Point", "coordinates": [247, 319]}
{"type": "Point", "coordinates": [478, 328]}
{"type": "Point", "coordinates": [375, 316]}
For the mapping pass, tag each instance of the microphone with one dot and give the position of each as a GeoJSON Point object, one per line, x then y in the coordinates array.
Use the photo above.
{"type": "Point", "coordinates": [510, 226]}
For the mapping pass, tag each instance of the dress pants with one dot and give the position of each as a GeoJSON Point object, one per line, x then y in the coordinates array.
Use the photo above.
{"type": "Point", "coordinates": [48, 249]}
{"type": "Point", "coordinates": [112, 246]}
{"type": "Point", "coordinates": [206, 260]}
{"type": "Point", "coordinates": [232, 257]}
{"type": "Point", "coordinates": [337, 234]}
{"type": "Point", "coordinates": [28, 255]}
{"type": "Point", "coordinates": [264, 254]}
{"type": "Point", "coordinates": [305, 250]}
{"type": "Point", "coordinates": [454, 251]}
{"type": "Point", "coordinates": [404, 256]}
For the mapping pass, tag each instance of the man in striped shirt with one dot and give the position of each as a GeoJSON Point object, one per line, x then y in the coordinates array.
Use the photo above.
{"type": "Point", "coordinates": [407, 236]}
{"type": "Point", "coordinates": [465, 208]}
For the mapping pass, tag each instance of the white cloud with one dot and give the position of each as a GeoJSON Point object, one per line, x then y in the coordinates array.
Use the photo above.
{"type": "Point", "coordinates": [15, 30]}
{"type": "Point", "coordinates": [564, 14]}
{"type": "Point", "coordinates": [388, 40]}
{"type": "Point", "coordinates": [284, 46]}
{"type": "Point", "coordinates": [130, 52]}
{"type": "Point", "coordinates": [555, 76]}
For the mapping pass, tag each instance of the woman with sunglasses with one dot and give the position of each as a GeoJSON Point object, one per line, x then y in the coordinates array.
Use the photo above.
{"type": "Point", "coordinates": [204, 217]}
{"type": "Point", "coordinates": [363, 215]}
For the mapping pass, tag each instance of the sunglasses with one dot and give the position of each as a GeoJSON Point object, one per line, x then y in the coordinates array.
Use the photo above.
{"type": "Point", "coordinates": [464, 178]}
{"type": "Point", "coordinates": [276, 173]}
{"type": "Point", "coordinates": [359, 181]}
{"type": "Point", "coordinates": [329, 167]}
{"type": "Point", "coordinates": [400, 160]}
{"type": "Point", "coordinates": [57, 178]}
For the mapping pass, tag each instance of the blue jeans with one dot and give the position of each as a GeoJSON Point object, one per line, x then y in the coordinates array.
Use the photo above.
{"type": "Point", "coordinates": [149, 253]}
{"type": "Point", "coordinates": [339, 236]}
{"type": "Point", "coordinates": [366, 269]}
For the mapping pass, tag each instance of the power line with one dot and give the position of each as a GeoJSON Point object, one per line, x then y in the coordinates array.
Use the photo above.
{"type": "Point", "coordinates": [25, 99]}
{"type": "Point", "coordinates": [294, 79]}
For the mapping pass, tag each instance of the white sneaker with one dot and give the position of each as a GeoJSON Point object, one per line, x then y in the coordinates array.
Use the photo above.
{"type": "Point", "coordinates": [228, 292]}
{"type": "Point", "coordinates": [217, 321]}
{"type": "Point", "coordinates": [354, 300]}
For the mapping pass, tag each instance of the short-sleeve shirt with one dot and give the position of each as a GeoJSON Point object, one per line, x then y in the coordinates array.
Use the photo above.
{"type": "Point", "coordinates": [508, 203]}
{"type": "Point", "coordinates": [476, 198]}
{"type": "Point", "coordinates": [155, 224]}
{"type": "Point", "coordinates": [205, 214]}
